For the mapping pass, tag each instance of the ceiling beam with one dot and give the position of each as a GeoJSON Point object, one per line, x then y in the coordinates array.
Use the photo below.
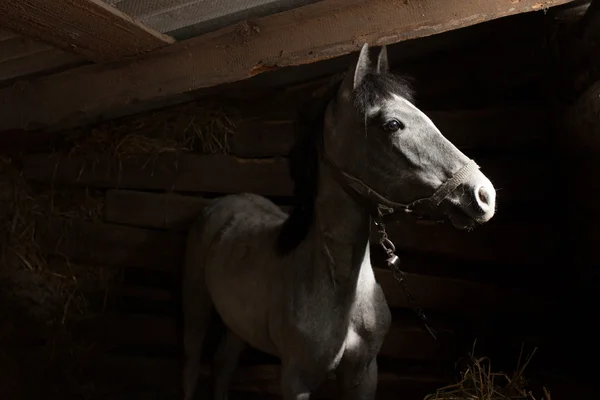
{"type": "Point", "coordinates": [303, 35]}
{"type": "Point", "coordinates": [89, 28]}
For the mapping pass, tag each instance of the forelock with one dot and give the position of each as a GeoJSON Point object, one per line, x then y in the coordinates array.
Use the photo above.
{"type": "Point", "coordinates": [376, 88]}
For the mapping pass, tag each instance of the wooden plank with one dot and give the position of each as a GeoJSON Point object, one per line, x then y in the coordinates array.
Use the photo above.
{"type": "Point", "coordinates": [167, 211]}
{"type": "Point", "coordinates": [498, 241]}
{"type": "Point", "coordinates": [188, 173]}
{"type": "Point", "coordinates": [122, 246]}
{"type": "Point", "coordinates": [44, 62]}
{"type": "Point", "coordinates": [461, 297]}
{"type": "Point", "coordinates": [108, 245]}
{"type": "Point", "coordinates": [6, 35]}
{"type": "Point", "coordinates": [406, 340]}
{"type": "Point", "coordinates": [20, 46]}
{"type": "Point", "coordinates": [497, 129]}
{"type": "Point", "coordinates": [517, 179]}
{"type": "Point", "coordinates": [150, 210]}
{"type": "Point", "coordinates": [304, 35]}
{"type": "Point", "coordinates": [132, 299]}
{"type": "Point", "coordinates": [187, 18]}
{"type": "Point", "coordinates": [130, 372]}
{"type": "Point", "coordinates": [90, 28]}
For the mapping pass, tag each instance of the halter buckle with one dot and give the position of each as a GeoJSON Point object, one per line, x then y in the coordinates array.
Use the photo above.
{"type": "Point", "coordinates": [382, 210]}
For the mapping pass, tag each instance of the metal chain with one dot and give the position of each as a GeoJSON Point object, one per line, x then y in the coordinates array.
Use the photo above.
{"type": "Point", "coordinates": [393, 262]}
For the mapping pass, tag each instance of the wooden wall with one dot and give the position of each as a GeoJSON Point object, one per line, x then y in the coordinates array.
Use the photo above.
{"type": "Point", "coordinates": [497, 284]}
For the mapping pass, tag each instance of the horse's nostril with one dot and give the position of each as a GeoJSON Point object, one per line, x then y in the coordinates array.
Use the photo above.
{"type": "Point", "coordinates": [483, 196]}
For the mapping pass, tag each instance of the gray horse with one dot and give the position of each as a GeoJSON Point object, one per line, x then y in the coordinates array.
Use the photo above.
{"type": "Point", "coordinates": [301, 287]}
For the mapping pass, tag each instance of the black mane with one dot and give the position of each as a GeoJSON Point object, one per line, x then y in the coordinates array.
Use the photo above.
{"type": "Point", "coordinates": [304, 157]}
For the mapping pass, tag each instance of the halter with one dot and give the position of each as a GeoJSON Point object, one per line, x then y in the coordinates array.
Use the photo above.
{"type": "Point", "coordinates": [383, 208]}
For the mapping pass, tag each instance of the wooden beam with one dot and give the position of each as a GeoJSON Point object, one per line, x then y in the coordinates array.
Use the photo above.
{"type": "Point", "coordinates": [104, 244]}
{"type": "Point", "coordinates": [440, 294]}
{"type": "Point", "coordinates": [497, 241]}
{"type": "Point", "coordinates": [406, 340]}
{"type": "Point", "coordinates": [267, 176]}
{"type": "Point", "coordinates": [483, 130]}
{"type": "Point", "coordinates": [518, 180]}
{"type": "Point", "coordinates": [111, 245]}
{"type": "Point", "coordinates": [44, 62]}
{"type": "Point", "coordinates": [90, 28]}
{"type": "Point", "coordinates": [323, 30]}
{"type": "Point", "coordinates": [112, 371]}
{"type": "Point", "coordinates": [154, 211]}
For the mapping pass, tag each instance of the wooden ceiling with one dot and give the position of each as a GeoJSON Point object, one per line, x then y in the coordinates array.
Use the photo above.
{"type": "Point", "coordinates": [24, 56]}
{"type": "Point", "coordinates": [100, 61]}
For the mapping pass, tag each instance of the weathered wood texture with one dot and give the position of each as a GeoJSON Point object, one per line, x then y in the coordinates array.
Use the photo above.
{"type": "Point", "coordinates": [508, 242]}
{"type": "Point", "coordinates": [44, 61]}
{"type": "Point", "coordinates": [264, 131]}
{"type": "Point", "coordinates": [21, 56]}
{"type": "Point", "coordinates": [323, 30]}
{"type": "Point", "coordinates": [406, 340]}
{"type": "Point", "coordinates": [122, 246]}
{"type": "Point", "coordinates": [105, 244]}
{"type": "Point", "coordinates": [502, 242]}
{"type": "Point", "coordinates": [89, 28]}
{"type": "Point", "coordinates": [185, 172]}
{"type": "Point", "coordinates": [155, 211]}
{"type": "Point", "coordinates": [163, 373]}
{"type": "Point", "coordinates": [518, 179]}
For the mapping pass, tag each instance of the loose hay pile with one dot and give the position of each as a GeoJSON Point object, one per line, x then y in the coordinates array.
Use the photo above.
{"type": "Point", "coordinates": [48, 287]}
{"type": "Point", "coordinates": [41, 295]}
{"type": "Point", "coordinates": [479, 382]}
{"type": "Point", "coordinates": [202, 127]}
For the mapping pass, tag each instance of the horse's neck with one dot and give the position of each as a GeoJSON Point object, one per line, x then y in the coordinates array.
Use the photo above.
{"type": "Point", "coordinates": [341, 234]}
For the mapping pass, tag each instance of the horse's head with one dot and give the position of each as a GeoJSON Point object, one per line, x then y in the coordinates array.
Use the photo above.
{"type": "Point", "coordinates": [391, 152]}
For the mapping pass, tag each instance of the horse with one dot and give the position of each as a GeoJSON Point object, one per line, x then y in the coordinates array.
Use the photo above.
{"type": "Point", "coordinates": [300, 286]}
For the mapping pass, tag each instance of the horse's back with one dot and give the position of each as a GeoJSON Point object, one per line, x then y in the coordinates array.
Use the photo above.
{"type": "Point", "coordinates": [238, 214]}
{"type": "Point", "coordinates": [234, 219]}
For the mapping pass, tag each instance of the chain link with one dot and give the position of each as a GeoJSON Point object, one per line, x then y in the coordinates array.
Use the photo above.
{"type": "Point", "coordinates": [393, 262]}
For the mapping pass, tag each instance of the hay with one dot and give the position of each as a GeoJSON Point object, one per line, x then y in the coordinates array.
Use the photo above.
{"type": "Point", "coordinates": [50, 293]}
{"type": "Point", "coordinates": [50, 288]}
{"type": "Point", "coordinates": [201, 127]}
{"type": "Point", "coordinates": [478, 382]}
{"type": "Point", "coordinates": [41, 296]}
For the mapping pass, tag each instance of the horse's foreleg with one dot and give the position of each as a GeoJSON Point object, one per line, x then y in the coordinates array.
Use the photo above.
{"type": "Point", "coordinates": [357, 383]}
{"type": "Point", "coordinates": [225, 362]}
{"type": "Point", "coordinates": [297, 384]}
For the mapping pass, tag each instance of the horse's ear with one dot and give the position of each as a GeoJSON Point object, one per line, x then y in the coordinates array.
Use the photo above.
{"type": "Point", "coordinates": [362, 66]}
{"type": "Point", "coordinates": [357, 71]}
{"type": "Point", "coordinates": [382, 61]}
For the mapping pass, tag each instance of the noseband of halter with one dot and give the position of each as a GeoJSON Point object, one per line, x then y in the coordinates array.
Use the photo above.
{"type": "Point", "coordinates": [383, 208]}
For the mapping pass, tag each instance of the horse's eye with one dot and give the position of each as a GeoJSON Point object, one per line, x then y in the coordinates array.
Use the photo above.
{"type": "Point", "coordinates": [393, 126]}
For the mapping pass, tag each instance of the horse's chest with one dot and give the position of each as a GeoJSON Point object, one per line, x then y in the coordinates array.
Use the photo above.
{"type": "Point", "coordinates": [369, 323]}
{"type": "Point", "coordinates": [358, 338]}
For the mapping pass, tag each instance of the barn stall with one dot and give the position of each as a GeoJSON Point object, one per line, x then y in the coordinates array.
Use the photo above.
{"type": "Point", "coordinates": [120, 119]}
